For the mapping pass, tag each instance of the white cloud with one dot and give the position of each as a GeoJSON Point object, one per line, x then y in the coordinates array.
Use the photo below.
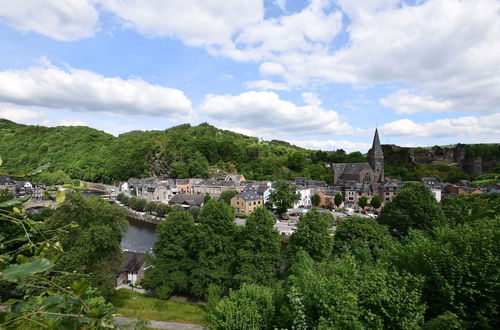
{"type": "Point", "coordinates": [265, 111]}
{"type": "Point", "coordinates": [444, 49]}
{"type": "Point", "coordinates": [312, 28]}
{"type": "Point", "coordinates": [65, 20]}
{"type": "Point", "coordinates": [82, 90]}
{"type": "Point", "coordinates": [271, 69]}
{"type": "Point", "coordinates": [348, 146]}
{"type": "Point", "coordinates": [20, 115]}
{"type": "Point", "coordinates": [404, 101]}
{"type": "Point", "coordinates": [483, 129]}
{"type": "Point", "coordinates": [63, 122]}
{"type": "Point", "coordinates": [266, 85]}
{"type": "Point", "coordinates": [311, 98]}
{"type": "Point", "coordinates": [196, 23]}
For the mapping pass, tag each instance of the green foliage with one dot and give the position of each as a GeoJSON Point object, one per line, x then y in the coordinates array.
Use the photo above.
{"type": "Point", "coordinates": [138, 204]}
{"type": "Point", "coordinates": [150, 207]}
{"type": "Point", "coordinates": [313, 235]}
{"type": "Point", "coordinates": [258, 252]}
{"type": "Point", "coordinates": [363, 202]}
{"type": "Point", "coordinates": [460, 270]}
{"type": "Point", "coordinates": [338, 199]}
{"type": "Point", "coordinates": [5, 195]}
{"type": "Point", "coordinates": [345, 294]}
{"type": "Point", "coordinates": [180, 152]}
{"type": "Point", "coordinates": [251, 307]}
{"type": "Point", "coordinates": [91, 244]}
{"type": "Point", "coordinates": [468, 208]}
{"type": "Point", "coordinates": [315, 199]}
{"type": "Point", "coordinates": [361, 237]}
{"type": "Point", "coordinates": [172, 261]}
{"type": "Point", "coordinates": [206, 198]}
{"type": "Point", "coordinates": [17, 273]}
{"type": "Point", "coordinates": [283, 196]}
{"type": "Point", "coordinates": [375, 202]}
{"type": "Point", "coordinates": [215, 248]}
{"type": "Point", "coordinates": [227, 195]}
{"type": "Point", "coordinates": [413, 207]}
{"type": "Point", "coordinates": [162, 209]}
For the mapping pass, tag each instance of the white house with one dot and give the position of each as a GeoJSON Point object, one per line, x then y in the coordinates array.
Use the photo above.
{"type": "Point", "coordinates": [305, 197]}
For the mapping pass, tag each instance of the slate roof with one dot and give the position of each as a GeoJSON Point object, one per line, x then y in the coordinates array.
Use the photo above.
{"type": "Point", "coordinates": [249, 195]}
{"type": "Point", "coordinates": [6, 180]}
{"type": "Point", "coordinates": [376, 147]}
{"type": "Point", "coordinates": [355, 168]}
{"type": "Point", "coordinates": [192, 200]}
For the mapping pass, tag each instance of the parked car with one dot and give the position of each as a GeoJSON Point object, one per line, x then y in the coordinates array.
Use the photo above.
{"type": "Point", "coordinates": [294, 214]}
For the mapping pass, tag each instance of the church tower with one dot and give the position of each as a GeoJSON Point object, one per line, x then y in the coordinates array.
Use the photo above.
{"type": "Point", "coordinates": [377, 158]}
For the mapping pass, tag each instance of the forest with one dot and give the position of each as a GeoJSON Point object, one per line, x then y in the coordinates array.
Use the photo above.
{"type": "Point", "coordinates": [83, 153]}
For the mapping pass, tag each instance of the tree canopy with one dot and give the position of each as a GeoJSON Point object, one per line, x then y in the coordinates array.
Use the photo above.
{"type": "Point", "coordinates": [283, 196]}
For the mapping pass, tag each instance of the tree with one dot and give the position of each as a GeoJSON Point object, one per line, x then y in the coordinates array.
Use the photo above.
{"type": "Point", "coordinates": [315, 199]}
{"type": "Point", "coordinates": [162, 209]}
{"type": "Point", "coordinates": [413, 207]}
{"type": "Point", "coordinates": [346, 294]}
{"type": "Point", "coordinates": [375, 202]}
{"type": "Point", "coordinates": [5, 195]}
{"type": "Point", "coordinates": [138, 204]}
{"type": "Point", "coordinates": [93, 246]}
{"type": "Point", "coordinates": [468, 208]}
{"type": "Point", "coordinates": [227, 195]}
{"type": "Point", "coordinates": [313, 235]}
{"type": "Point", "coordinates": [206, 198]}
{"type": "Point", "coordinates": [283, 196]}
{"type": "Point", "coordinates": [259, 249]}
{"type": "Point", "coordinates": [195, 212]}
{"type": "Point", "coordinates": [338, 199]}
{"type": "Point", "coordinates": [363, 202]}
{"type": "Point", "coordinates": [460, 270]}
{"type": "Point", "coordinates": [172, 261]}
{"type": "Point", "coordinates": [215, 248]}
{"type": "Point", "coordinates": [150, 207]}
{"type": "Point", "coordinates": [363, 238]}
{"type": "Point", "coordinates": [251, 307]}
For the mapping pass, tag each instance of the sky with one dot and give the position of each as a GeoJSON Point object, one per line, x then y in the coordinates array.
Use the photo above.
{"type": "Point", "coordinates": [320, 74]}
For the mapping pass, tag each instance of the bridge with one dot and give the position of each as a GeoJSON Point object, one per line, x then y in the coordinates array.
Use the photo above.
{"type": "Point", "coordinates": [32, 203]}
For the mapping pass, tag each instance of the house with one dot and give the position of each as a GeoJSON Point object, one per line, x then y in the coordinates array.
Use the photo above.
{"type": "Point", "coordinates": [187, 201]}
{"type": "Point", "coordinates": [434, 185]}
{"type": "Point", "coordinates": [38, 191]}
{"type": "Point", "coordinates": [451, 189]}
{"type": "Point", "coordinates": [246, 201]}
{"type": "Point", "coordinates": [371, 172]}
{"type": "Point", "coordinates": [184, 186]}
{"type": "Point", "coordinates": [264, 189]}
{"type": "Point", "coordinates": [387, 190]}
{"type": "Point", "coordinates": [7, 183]}
{"type": "Point", "coordinates": [327, 198]}
{"type": "Point", "coordinates": [300, 181]}
{"type": "Point", "coordinates": [151, 189]}
{"type": "Point", "coordinates": [131, 268]}
{"type": "Point", "coordinates": [305, 197]}
{"type": "Point", "coordinates": [214, 187]}
{"type": "Point", "coordinates": [23, 188]}
{"type": "Point", "coordinates": [238, 178]}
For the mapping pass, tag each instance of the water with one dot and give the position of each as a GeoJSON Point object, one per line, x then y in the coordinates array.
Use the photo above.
{"type": "Point", "coordinates": [140, 237]}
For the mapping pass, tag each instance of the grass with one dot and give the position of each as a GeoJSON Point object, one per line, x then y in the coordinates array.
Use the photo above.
{"type": "Point", "coordinates": [138, 306]}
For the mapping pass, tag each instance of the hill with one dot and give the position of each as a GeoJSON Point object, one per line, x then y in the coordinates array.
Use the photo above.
{"type": "Point", "coordinates": [181, 151]}
{"type": "Point", "coordinates": [84, 153]}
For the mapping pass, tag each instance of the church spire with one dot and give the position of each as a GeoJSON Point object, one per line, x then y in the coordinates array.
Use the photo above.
{"type": "Point", "coordinates": [376, 147]}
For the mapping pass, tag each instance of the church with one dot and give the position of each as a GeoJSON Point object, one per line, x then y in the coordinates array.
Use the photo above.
{"type": "Point", "coordinates": [371, 172]}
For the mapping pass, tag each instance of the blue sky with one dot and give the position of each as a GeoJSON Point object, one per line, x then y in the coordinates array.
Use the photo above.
{"type": "Point", "coordinates": [320, 74]}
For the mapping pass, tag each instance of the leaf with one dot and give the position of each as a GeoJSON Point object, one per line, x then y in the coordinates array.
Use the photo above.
{"type": "Point", "coordinates": [22, 259]}
{"type": "Point", "coordinates": [39, 170]}
{"type": "Point", "coordinates": [80, 286]}
{"type": "Point", "coordinates": [1, 161]}
{"type": "Point", "coordinates": [14, 202]}
{"type": "Point", "coordinates": [60, 197]}
{"type": "Point", "coordinates": [16, 273]}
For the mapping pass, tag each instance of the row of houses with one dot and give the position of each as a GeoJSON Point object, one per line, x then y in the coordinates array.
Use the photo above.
{"type": "Point", "coordinates": [21, 188]}
{"type": "Point", "coordinates": [252, 194]}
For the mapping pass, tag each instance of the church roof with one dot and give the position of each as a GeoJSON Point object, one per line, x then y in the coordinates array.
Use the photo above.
{"type": "Point", "coordinates": [376, 147]}
{"type": "Point", "coordinates": [355, 168]}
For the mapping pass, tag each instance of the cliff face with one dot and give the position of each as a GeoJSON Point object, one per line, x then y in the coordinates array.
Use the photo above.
{"type": "Point", "coordinates": [471, 165]}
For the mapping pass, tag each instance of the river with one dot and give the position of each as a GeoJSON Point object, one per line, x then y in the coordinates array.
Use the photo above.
{"type": "Point", "coordinates": [140, 236]}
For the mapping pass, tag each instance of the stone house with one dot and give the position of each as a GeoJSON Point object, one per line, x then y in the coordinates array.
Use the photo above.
{"type": "Point", "coordinates": [215, 187]}
{"type": "Point", "coordinates": [184, 186]}
{"type": "Point", "coordinates": [7, 183]}
{"type": "Point", "coordinates": [246, 201]}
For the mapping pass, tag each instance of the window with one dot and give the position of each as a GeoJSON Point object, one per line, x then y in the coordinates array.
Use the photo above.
{"type": "Point", "coordinates": [387, 199]}
{"type": "Point", "coordinates": [254, 203]}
